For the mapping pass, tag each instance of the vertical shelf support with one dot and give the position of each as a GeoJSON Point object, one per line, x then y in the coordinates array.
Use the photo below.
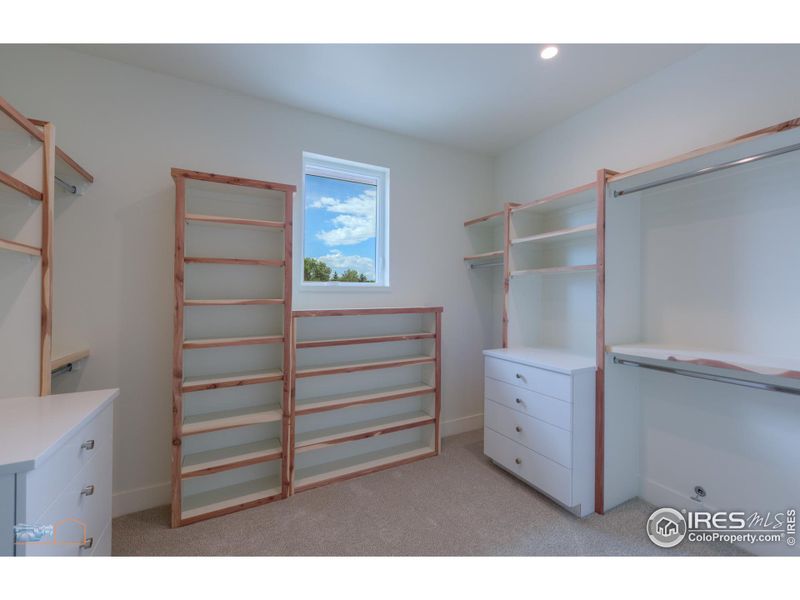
{"type": "Point", "coordinates": [603, 176]}
{"type": "Point", "coordinates": [177, 347]}
{"type": "Point", "coordinates": [506, 267]}
{"type": "Point", "coordinates": [287, 401]}
{"type": "Point", "coordinates": [48, 215]}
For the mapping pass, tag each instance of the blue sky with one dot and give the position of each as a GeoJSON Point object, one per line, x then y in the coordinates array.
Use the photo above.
{"type": "Point", "coordinates": [340, 223]}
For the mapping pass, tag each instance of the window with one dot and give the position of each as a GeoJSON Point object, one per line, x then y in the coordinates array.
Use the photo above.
{"type": "Point", "coordinates": [345, 224]}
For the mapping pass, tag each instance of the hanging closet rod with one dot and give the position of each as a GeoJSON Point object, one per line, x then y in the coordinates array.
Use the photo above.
{"type": "Point", "coordinates": [486, 265]}
{"type": "Point", "coordinates": [771, 387]}
{"type": "Point", "coordinates": [72, 189]}
{"type": "Point", "coordinates": [707, 170]}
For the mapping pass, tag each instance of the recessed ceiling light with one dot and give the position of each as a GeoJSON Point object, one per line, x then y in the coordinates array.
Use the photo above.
{"type": "Point", "coordinates": [549, 52]}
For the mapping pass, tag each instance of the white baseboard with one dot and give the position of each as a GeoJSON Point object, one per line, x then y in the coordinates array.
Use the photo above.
{"type": "Point", "coordinates": [462, 424]}
{"type": "Point", "coordinates": [131, 501]}
{"type": "Point", "coordinates": [142, 498]}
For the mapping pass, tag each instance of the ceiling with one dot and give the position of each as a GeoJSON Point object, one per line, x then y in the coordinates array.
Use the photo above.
{"type": "Point", "coordinates": [480, 97]}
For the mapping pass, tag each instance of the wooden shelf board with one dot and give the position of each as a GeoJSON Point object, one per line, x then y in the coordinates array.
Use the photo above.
{"type": "Point", "coordinates": [311, 477]}
{"type": "Point", "coordinates": [484, 219]}
{"type": "Point", "coordinates": [20, 186]}
{"type": "Point", "coordinates": [196, 384]}
{"type": "Point", "coordinates": [363, 366]}
{"type": "Point", "coordinates": [233, 221]}
{"type": "Point", "coordinates": [375, 339]}
{"type": "Point", "coordinates": [232, 301]}
{"type": "Point", "coordinates": [738, 361]}
{"type": "Point", "coordinates": [233, 457]}
{"type": "Point", "coordinates": [553, 270]}
{"type": "Point", "coordinates": [70, 357]}
{"type": "Point", "coordinates": [354, 312]}
{"type": "Point", "coordinates": [333, 402]}
{"type": "Point", "coordinates": [322, 438]}
{"type": "Point", "coordinates": [232, 341]}
{"type": "Point", "coordinates": [484, 257]}
{"type": "Point", "coordinates": [231, 497]}
{"type": "Point", "coordinates": [20, 248]}
{"type": "Point", "coordinates": [228, 419]}
{"type": "Point", "coordinates": [560, 200]}
{"type": "Point", "coordinates": [560, 234]}
{"type": "Point", "coordinates": [262, 262]}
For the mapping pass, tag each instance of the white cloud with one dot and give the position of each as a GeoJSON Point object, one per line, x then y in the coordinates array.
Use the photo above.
{"type": "Point", "coordinates": [340, 262]}
{"type": "Point", "coordinates": [354, 221]}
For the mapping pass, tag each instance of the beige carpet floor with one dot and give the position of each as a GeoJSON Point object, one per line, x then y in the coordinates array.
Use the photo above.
{"type": "Point", "coordinates": [455, 504]}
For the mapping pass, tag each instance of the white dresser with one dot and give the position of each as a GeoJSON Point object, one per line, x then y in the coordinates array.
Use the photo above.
{"type": "Point", "coordinates": [55, 474]}
{"type": "Point", "coordinates": [539, 421]}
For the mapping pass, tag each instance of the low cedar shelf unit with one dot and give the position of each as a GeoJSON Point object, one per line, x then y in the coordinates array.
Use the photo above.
{"type": "Point", "coordinates": [232, 352]}
{"type": "Point", "coordinates": [366, 391]}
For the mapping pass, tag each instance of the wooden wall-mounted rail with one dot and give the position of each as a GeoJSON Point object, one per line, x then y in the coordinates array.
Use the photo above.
{"type": "Point", "coordinates": [66, 158]}
{"type": "Point", "coordinates": [229, 180]}
{"type": "Point", "coordinates": [21, 187]}
{"type": "Point", "coordinates": [20, 248]}
{"type": "Point", "coordinates": [21, 120]}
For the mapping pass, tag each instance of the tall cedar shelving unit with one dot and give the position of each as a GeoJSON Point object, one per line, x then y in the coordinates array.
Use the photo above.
{"type": "Point", "coordinates": [54, 167]}
{"type": "Point", "coordinates": [367, 425]}
{"type": "Point", "coordinates": [559, 236]}
{"type": "Point", "coordinates": [224, 459]}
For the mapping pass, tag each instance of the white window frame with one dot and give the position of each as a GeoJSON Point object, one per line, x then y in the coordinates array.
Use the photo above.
{"type": "Point", "coordinates": [337, 168]}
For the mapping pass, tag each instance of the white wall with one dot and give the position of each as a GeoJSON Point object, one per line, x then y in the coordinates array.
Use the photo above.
{"type": "Point", "coordinates": [713, 95]}
{"type": "Point", "coordinates": [114, 246]}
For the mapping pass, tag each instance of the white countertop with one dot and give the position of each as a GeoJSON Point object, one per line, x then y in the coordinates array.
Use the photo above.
{"type": "Point", "coordinates": [33, 427]}
{"type": "Point", "coordinates": [551, 359]}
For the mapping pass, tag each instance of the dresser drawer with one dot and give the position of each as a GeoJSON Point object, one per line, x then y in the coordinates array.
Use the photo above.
{"type": "Point", "coordinates": [548, 440]}
{"type": "Point", "coordinates": [72, 510]}
{"type": "Point", "coordinates": [553, 411]}
{"type": "Point", "coordinates": [545, 382]}
{"type": "Point", "coordinates": [546, 475]}
{"type": "Point", "coordinates": [47, 481]}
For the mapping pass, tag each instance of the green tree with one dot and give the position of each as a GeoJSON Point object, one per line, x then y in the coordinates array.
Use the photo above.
{"type": "Point", "coordinates": [316, 270]}
{"type": "Point", "coordinates": [350, 276]}
{"type": "Point", "coordinates": [335, 276]}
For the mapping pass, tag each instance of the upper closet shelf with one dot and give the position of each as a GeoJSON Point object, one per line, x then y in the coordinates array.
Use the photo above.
{"type": "Point", "coordinates": [491, 218]}
{"type": "Point", "coordinates": [560, 234]}
{"type": "Point", "coordinates": [59, 361]}
{"type": "Point", "coordinates": [583, 194]}
{"type": "Point", "coordinates": [738, 361]}
{"type": "Point", "coordinates": [20, 248]}
{"type": "Point", "coordinates": [494, 258]}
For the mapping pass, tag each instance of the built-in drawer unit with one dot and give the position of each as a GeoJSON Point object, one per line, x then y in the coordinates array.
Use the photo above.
{"type": "Point", "coordinates": [59, 454]}
{"type": "Point", "coordinates": [539, 408]}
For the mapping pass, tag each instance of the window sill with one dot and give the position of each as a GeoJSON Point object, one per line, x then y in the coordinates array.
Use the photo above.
{"type": "Point", "coordinates": [338, 288]}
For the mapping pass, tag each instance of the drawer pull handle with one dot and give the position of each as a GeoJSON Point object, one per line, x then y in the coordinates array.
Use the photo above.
{"type": "Point", "coordinates": [518, 461]}
{"type": "Point", "coordinates": [519, 376]}
{"type": "Point", "coordinates": [87, 445]}
{"type": "Point", "coordinates": [518, 401]}
{"type": "Point", "coordinates": [519, 429]}
{"type": "Point", "coordinates": [87, 491]}
{"type": "Point", "coordinates": [87, 544]}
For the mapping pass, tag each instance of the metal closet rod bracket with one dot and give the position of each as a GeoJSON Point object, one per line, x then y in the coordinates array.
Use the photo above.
{"type": "Point", "coordinates": [770, 387]}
